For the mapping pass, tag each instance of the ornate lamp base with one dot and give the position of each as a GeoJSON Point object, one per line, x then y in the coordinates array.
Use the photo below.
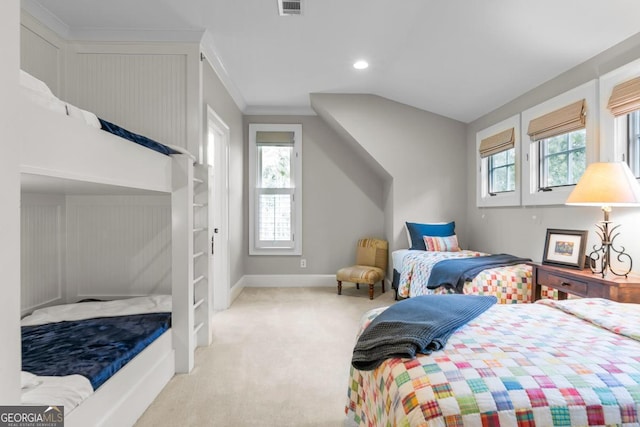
{"type": "Point", "coordinates": [602, 255]}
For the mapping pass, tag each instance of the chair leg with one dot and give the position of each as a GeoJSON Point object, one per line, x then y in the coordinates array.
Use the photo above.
{"type": "Point", "coordinates": [339, 287]}
{"type": "Point", "coordinates": [383, 286]}
{"type": "Point", "coordinates": [371, 291]}
{"type": "Point", "coordinates": [357, 285]}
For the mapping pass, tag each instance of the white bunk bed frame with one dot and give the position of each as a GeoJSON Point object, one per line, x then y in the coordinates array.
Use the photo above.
{"type": "Point", "coordinates": [57, 150]}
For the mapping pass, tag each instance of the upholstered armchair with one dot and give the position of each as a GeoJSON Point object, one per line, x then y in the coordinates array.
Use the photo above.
{"type": "Point", "coordinates": [370, 267]}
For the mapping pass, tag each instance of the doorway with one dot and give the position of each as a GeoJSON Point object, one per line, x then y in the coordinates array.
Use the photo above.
{"type": "Point", "coordinates": [217, 158]}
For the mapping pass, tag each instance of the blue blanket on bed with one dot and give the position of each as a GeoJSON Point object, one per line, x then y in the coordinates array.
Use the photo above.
{"type": "Point", "coordinates": [93, 348]}
{"type": "Point", "coordinates": [422, 324]}
{"type": "Point", "coordinates": [134, 137]}
{"type": "Point", "coordinates": [453, 273]}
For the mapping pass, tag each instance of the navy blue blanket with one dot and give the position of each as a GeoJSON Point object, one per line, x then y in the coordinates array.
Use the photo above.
{"type": "Point", "coordinates": [422, 324]}
{"type": "Point", "coordinates": [134, 137]}
{"type": "Point", "coordinates": [453, 273]}
{"type": "Point", "coordinates": [93, 348]}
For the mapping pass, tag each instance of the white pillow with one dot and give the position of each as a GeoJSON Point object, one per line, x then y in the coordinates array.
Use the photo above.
{"type": "Point", "coordinates": [28, 380]}
{"type": "Point", "coordinates": [30, 82]}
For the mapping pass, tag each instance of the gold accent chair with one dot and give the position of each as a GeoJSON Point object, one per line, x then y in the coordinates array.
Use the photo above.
{"type": "Point", "coordinates": [371, 265]}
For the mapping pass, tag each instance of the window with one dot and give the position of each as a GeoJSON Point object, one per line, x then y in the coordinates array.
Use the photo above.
{"type": "Point", "coordinates": [620, 90]}
{"type": "Point", "coordinates": [498, 162]}
{"type": "Point", "coordinates": [275, 174]}
{"type": "Point", "coordinates": [502, 172]}
{"type": "Point", "coordinates": [562, 159]}
{"type": "Point", "coordinates": [560, 143]}
{"type": "Point", "coordinates": [633, 142]}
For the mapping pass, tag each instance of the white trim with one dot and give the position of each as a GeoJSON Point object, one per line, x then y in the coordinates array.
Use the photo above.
{"type": "Point", "coordinates": [530, 193]}
{"type": "Point", "coordinates": [288, 280]}
{"type": "Point", "coordinates": [128, 393]}
{"type": "Point", "coordinates": [296, 172]}
{"type": "Point", "coordinates": [211, 56]}
{"type": "Point", "coordinates": [613, 146]}
{"type": "Point", "coordinates": [483, 199]}
{"type": "Point", "coordinates": [256, 110]}
{"type": "Point", "coordinates": [236, 290]}
{"type": "Point", "coordinates": [46, 18]}
{"type": "Point", "coordinates": [219, 210]}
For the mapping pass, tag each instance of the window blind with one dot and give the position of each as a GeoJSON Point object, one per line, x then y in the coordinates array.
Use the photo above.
{"type": "Point", "coordinates": [558, 122]}
{"type": "Point", "coordinates": [625, 97]}
{"type": "Point", "coordinates": [497, 143]}
{"type": "Point", "coordinates": [274, 138]}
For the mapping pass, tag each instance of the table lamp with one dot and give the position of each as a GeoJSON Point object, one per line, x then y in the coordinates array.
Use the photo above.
{"type": "Point", "coordinates": [607, 185]}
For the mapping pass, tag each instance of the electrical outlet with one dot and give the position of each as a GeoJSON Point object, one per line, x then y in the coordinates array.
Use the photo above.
{"type": "Point", "coordinates": [303, 263]}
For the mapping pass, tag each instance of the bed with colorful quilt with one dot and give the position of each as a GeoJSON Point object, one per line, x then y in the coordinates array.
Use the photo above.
{"type": "Point", "coordinates": [412, 269]}
{"type": "Point", "coordinates": [71, 351]}
{"type": "Point", "coordinates": [551, 363]}
{"type": "Point", "coordinates": [432, 243]}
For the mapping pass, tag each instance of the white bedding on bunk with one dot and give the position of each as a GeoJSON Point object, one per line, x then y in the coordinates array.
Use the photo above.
{"type": "Point", "coordinates": [69, 391]}
{"type": "Point", "coordinates": [39, 93]}
{"type": "Point", "coordinates": [93, 309]}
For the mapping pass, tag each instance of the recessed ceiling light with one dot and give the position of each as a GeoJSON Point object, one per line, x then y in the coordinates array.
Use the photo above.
{"type": "Point", "coordinates": [360, 65]}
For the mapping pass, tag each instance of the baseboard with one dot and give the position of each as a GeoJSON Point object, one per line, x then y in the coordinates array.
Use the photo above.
{"type": "Point", "coordinates": [288, 280]}
{"type": "Point", "coordinates": [285, 281]}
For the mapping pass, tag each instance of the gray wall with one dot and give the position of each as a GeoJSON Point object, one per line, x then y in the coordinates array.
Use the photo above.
{"type": "Point", "coordinates": [342, 201]}
{"type": "Point", "coordinates": [217, 97]}
{"type": "Point", "coordinates": [421, 154]}
{"type": "Point", "coordinates": [522, 230]}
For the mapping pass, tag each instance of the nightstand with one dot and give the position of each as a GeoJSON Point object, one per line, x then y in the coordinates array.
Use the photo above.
{"type": "Point", "coordinates": [584, 283]}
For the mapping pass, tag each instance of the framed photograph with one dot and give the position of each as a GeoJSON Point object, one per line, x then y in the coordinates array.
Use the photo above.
{"type": "Point", "coordinates": [565, 248]}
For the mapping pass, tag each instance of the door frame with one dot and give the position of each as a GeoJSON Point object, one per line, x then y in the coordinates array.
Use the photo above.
{"type": "Point", "coordinates": [219, 267]}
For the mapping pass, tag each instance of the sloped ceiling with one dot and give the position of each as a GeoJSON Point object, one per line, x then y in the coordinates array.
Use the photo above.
{"type": "Point", "coordinates": [457, 58]}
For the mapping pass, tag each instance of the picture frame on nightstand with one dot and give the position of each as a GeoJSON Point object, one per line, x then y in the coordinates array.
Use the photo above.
{"type": "Point", "coordinates": [565, 248]}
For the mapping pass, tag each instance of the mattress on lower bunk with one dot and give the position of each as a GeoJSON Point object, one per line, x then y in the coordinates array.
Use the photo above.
{"type": "Point", "coordinates": [510, 284]}
{"type": "Point", "coordinates": [68, 351]}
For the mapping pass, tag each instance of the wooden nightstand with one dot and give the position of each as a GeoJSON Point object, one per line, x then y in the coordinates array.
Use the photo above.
{"type": "Point", "coordinates": [585, 284]}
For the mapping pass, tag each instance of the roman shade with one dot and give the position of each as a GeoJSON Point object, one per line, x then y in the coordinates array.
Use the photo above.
{"type": "Point", "coordinates": [558, 122]}
{"type": "Point", "coordinates": [625, 97]}
{"type": "Point", "coordinates": [274, 138]}
{"type": "Point", "coordinates": [497, 143]}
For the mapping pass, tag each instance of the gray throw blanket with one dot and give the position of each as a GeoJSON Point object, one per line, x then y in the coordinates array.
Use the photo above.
{"type": "Point", "coordinates": [453, 273]}
{"type": "Point", "coordinates": [421, 324]}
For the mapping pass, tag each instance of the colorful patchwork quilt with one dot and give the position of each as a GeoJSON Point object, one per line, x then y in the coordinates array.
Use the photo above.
{"type": "Point", "coordinates": [510, 284]}
{"type": "Point", "coordinates": [552, 363]}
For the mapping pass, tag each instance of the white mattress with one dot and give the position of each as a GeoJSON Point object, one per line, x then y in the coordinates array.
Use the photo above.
{"type": "Point", "coordinates": [68, 391]}
{"type": "Point", "coordinates": [90, 310]}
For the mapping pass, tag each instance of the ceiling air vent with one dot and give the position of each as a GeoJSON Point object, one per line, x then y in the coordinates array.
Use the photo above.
{"type": "Point", "coordinates": [289, 7]}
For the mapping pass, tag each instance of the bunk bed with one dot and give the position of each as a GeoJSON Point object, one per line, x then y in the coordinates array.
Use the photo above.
{"type": "Point", "coordinates": [66, 149]}
{"type": "Point", "coordinates": [572, 362]}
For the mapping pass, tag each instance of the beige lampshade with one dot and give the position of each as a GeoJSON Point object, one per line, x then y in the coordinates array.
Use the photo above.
{"type": "Point", "coordinates": [606, 184]}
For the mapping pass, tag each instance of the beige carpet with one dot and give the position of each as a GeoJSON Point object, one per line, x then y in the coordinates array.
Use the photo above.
{"type": "Point", "coordinates": [280, 357]}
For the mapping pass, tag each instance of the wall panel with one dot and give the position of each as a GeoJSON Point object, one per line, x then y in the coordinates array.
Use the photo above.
{"type": "Point", "coordinates": [41, 54]}
{"type": "Point", "coordinates": [42, 251]}
{"type": "Point", "coordinates": [118, 246]}
{"type": "Point", "coordinates": [142, 92]}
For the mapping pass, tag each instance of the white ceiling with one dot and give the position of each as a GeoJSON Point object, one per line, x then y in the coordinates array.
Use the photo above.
{"type": "Point", "coordinates": [457, 58]}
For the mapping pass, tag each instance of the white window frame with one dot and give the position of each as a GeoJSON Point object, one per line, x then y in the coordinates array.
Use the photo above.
{"type": "Point", "coordinates": [483, 197]}
{"type": "Point", "coordinates": [295, 247]}
{"type": "Point", "coordinates": [613, 132]}
{"type": "Point", "coordinates": [530, 151]}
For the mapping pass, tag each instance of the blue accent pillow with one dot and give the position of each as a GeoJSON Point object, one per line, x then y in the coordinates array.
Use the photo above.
{"type": "Point", "coordinates": [416, 231]}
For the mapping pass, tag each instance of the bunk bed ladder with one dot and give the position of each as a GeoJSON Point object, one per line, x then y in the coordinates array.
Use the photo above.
{"type": "Point", "coordinates": [202, 286]}
{"type": "Point", "coordinates": [192, 308]}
